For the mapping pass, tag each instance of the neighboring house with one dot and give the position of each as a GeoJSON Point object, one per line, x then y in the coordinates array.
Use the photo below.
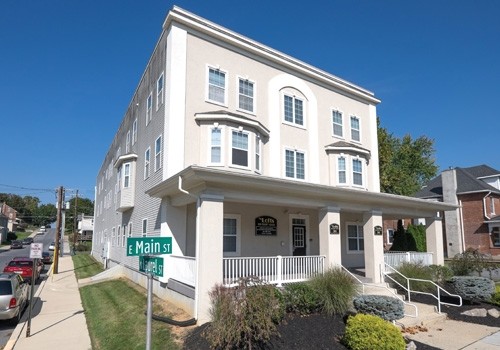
{"type": "Point", "coordinates": [476, 223]}
{"type": "Point", "coordinates": [4, 221]}
{"type": "Point", "coordinates": [85, 227]}
{"type": "Point", "coordinates": [252, 161]}
{"type": "Point", "coordinates": [11, 214]}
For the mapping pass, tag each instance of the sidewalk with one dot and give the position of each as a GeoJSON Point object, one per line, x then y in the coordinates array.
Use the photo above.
{"type": "Point", "coordinates": [57, 315]}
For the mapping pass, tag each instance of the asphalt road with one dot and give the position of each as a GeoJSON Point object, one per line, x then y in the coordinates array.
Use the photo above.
{"type": "Point", "coordinates": [5, 256]}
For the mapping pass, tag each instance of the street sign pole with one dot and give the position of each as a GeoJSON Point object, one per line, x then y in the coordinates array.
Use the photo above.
{"type": "Point", "coordinates": [28, 329]}
{"type": "Point", "coordinates": [149, 317]}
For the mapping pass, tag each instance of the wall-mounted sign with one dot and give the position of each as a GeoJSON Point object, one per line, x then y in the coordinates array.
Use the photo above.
{"type": "Point", "coordinates": [334, 229]}
{"type": "Point", "coordinates": [378, 230]}
{"type": "Point", "coordinates": [266, 226]}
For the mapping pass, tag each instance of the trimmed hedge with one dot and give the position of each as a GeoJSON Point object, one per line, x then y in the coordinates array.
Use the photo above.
{"type": "Point", "coordinates": [385, 307]}
{"type": "Point", "coordinates": [473, 288]}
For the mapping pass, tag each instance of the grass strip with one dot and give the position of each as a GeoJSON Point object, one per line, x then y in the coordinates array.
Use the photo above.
{"type": "Point", "coordinates": [86, 265]}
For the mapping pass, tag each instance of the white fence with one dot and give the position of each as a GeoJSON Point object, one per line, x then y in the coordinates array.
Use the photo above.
{"type": "Point", "coordinates": [183, 269]}
{"type": "Point", "coordinates": [275, 269]}
{"type": "Point", "coordinates": [395, 259]}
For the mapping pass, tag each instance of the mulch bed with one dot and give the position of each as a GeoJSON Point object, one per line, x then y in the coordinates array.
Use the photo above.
{"type": "Point", "coordinates": [321, 332]}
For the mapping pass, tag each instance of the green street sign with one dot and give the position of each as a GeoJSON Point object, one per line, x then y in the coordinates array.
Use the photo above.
{"type": "Point", "coordinates": [151, 264]}
{"type": "Point", "coordinates": [149, 245]}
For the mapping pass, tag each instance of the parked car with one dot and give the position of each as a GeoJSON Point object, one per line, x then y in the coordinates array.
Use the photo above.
{"type": "Point", "coordinates": [40, 233]}
{"type": "Point", "coordinates": [46, 258]}
{"type": "Point", "coordinates": [42, 228]}
{"type": "Point", "coordinates": [27, 241]}
{"type": "Point", "coordinates": [24, 267]}
{"type": "Point", "coordinates": [16, 244]}
{"type": "Point", "coordinates": [14, 296]}
{"type": "Point", "coordinates": [52, 246]}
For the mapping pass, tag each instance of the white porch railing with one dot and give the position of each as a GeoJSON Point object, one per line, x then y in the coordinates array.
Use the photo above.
{"type": "Point", "coordinates": [275, 269]}
{"type": "Point", "coordinates": [183, 269]}
{"type": "Point", "coordinates": [394, 259]}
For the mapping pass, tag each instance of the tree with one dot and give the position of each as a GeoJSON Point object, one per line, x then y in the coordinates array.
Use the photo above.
{"type": "Point", "coordinates": [405, 164]}
{"type": "Point", "coordinates": [403, 240]}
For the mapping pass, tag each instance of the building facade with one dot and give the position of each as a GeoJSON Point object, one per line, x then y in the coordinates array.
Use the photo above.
{"type": "Point", "coordinates": [242, 153]}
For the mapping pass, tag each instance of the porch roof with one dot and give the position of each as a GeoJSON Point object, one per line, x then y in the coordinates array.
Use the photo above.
{"type": "Point", "coordinates": [184, 187]}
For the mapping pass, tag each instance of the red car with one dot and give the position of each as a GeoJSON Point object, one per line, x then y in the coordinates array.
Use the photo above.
{"type": "Point", "coordinates": [24, 267]}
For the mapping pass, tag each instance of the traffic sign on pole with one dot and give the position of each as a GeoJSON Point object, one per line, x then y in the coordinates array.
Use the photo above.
{"type": "Point", "coordinates": [149, 245]}
{"type": "Point", "coordinates": [151, 264]}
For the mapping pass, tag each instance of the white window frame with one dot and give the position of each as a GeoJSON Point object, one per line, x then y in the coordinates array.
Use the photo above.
{"type": "Point", "coordinates": [130, 229]}
{"type": "Point", "coordinates": [147, 163]}
{"type": "Point", "coordinates": [160, 90]}
{"type": "Point", "coordinates": [214, 146]}
{"type": "Point", "coordinates": [242, 132]}
{"type": "Point", "coordinates": [258, 154]}
{"type": "Point", "coordinates": [339, 170]}
{"type": "Point", "coordinates": [144, 227]}
{"type": "Point", "coordinates": [149, 108]}
{"type": "Point", "coordinates": [158, 153]}
{"type": "Point", "coordinates": [294, 112]}
{"type": "Point", "coordinates": [341, 125]}
{"type": "Point", "coordinates": [113, 235]}
{"type": "Point", "coordinates": [358, 238]}
{"type": "Point", "coordinates": [389, 235]}
{"type": "Point", "coordinates": [241, 95]}
{"type": "Point", "coordinates": [352, 117]}
{"type": "Point", "coordinates": [236, 217]}
{"type": "Point", "coordinates": [295, 151]}
{"type": "Point", "coordinates": [291, 218]}
{"type": "Point", "coordinates": [127, 176]}
{"type": "Point", "coordinates": [224, 88]}
{"type": "Point", "coordinates": [134, 131]}
{"type": "Point", "coordinates": [362, 173]}
{"type": "Point", "coordinates": [127, 142]}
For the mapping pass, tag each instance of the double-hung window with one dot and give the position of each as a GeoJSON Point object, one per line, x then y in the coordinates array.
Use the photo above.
{"type": "Point", "coordinates": [294, 110]}
{"type": "Point", "coordinates": [357, 172]}
{"type": "Point", "coordinates": [147, 161]}
{"type": "Point", "coordinates": [149, 108]}
{"type": "Point", "coordinates": [215, 146]}
{"type": "Point", "coordinates": [495, 237]}
{"type": "Point", "coordinates": [159, 91]}
{"type": "Point", "coordinates": [342, 175]}
{"type": "Point", "coordinates": [126, 175]}
{"type": "Point", "coordinates": [231, 232]}
{"type": "Point", "coordinates": [257, 153]}
{"type": "Point", "coordinates": [355, 238]}
{"type": "Point", "coordinates": [144, 227]}
{"type": "Point", "coordinates": [134, 132]}
{"type": "Point", "coordinates": [355, 129]}
{"type": "Point", "coordinates": [158, 153]}
{"type": "Point", "coordinates": [127, 142]}
{"type": "Point", "coordinates": [390, 236]}
{"type": "Point", "coordinates": [216, 86]}
{"type": "Point", "coordinates": [294, 164]}
{"type": "Point", "coordinates": [239, 148]}
{"type": "Point", "coordinates": [337, 124]}
{"type": "Point", "coordinates": [246, 95]}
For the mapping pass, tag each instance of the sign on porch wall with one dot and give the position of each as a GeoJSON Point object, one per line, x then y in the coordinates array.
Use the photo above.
{"type": "Point", "coordinates": [378, 230]}
{"type": "Point", "coordinates": [266, 226]}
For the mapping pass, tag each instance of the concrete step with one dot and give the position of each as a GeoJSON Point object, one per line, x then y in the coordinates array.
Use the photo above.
{"type": "Point", "coordinates": [426, 315]}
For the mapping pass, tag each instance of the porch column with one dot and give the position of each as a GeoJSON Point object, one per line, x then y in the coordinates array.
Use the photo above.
{"type": "Point", "coordinates": [329, 236]}
{"type": "Point", "coordinates": [209, 251]}
{"type": "Point", "coordinates": [374, 245]}
{"type": "Point", "coordinates": [434, 238]}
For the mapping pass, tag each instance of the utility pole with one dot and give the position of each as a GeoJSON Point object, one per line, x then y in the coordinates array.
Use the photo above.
{"type": "Point", "coordinates": [60, 193]}
{"type": "Point", "coordinates": [75, 223]}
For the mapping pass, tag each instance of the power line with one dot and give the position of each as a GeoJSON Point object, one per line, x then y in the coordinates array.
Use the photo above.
{"type": "Point", "coordinates": [30, 189]}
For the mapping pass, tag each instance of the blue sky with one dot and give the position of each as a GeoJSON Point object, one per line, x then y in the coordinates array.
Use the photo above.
{"type": "Point", "coordinates": [68, 70]}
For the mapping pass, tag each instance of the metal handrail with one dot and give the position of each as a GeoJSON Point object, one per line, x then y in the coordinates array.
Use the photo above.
{"type": "Point", "coordinates": [409, 291]}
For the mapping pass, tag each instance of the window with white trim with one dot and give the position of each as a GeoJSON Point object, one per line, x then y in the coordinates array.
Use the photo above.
{"type": "Point", "coordinates": [144, 227]}
{"type": "Point", "coordinates": [123, 236]}
{"type": "Point", "coordinates": [127, 142]}
{"type": "Point", "coordinates": [390, 236]}
{"type": "Point", "coordinates": [147, 161]}
{"type": "Point", "coordinates": [338, 128]}
{"type": "Point", "coordinates": [355, 129]}
{"type": "Point", "coordinates": [129, 230]}
{"type": "Point", "coordinates": [231, 234]}
{"type": "Point", "coordinates": [495, 237]}
{"type": "Point", "coordinates": [492, 205]}
{"type": "Point", "coordinates": [293, 110]}
{"type": "Point", "coordinates": [149, 108]}
{"type": "Point", "coordinates": [126, 175]}
{"type": "Point", "coordinates": [215, 145]}
{"type": "Point", "coordinates": [134, 131]}
{"type": "Point", "coordinates": [294, 164]}
{"type": "Point", "coordinates": [239, 153]}
{"type": "Point", "coordinates": [216, 86]}
{"type": "Point", "coordinates": [357, 172]}
{"type": "Point", "coordinates": [257, 153]}
{"type": "Point", "coordinates": [159, 91]}
{"type": "Point", "coordinates": [158, 153]}
{"type": "Point", "coordinates": [246, 95]}
{"type": "Point", "coordinates": [118, 235]}
{"type": "Point", "coordinates": [113, 237]}
{"type": "Point", "coordinates": [355, 240]}
{"type": "Point", "coordinates": [341, 167]}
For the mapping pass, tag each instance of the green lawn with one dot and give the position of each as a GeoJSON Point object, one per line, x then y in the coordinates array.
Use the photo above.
{"type": "Point", "coordinates": [86, 265]}
{"type": "Point", "coordinates": [115, 313]}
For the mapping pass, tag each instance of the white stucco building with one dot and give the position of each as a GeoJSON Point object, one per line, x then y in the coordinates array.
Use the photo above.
{"type": "Point", "coordinates": [252, 161]}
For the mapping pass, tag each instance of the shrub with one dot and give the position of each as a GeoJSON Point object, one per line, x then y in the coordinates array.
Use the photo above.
{"type": "Point", "coordinates": [417, 271]}
{"type": "Point", "coordinates": [11, 236]}
{"type": "Point", "coordinates": [467, 262]}
{"type": "Point", "coordinates": [440, 274]}
{"type": "Point", "coordinates": [419, 237]}
{"type": "Point", "coordinates": [388, 308]}
{"type": "Point", "coordinates": [335, 289]}
{"type": "Point", "coordinates": [243, 315]}
{"type": "Point", "coordinates": [301, 298]}
{"type": "Point", "coordinates": [371, 332]}
{"type": "Point", "coordinates": [473, 288]}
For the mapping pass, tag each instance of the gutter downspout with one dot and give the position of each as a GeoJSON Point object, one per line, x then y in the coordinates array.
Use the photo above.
{"type": "Point", "coordinates": [197, 249]}
{"type": "Point", "coordinates": [462, 234]}
{"type": "Point", "coordinates": [484, 206]}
